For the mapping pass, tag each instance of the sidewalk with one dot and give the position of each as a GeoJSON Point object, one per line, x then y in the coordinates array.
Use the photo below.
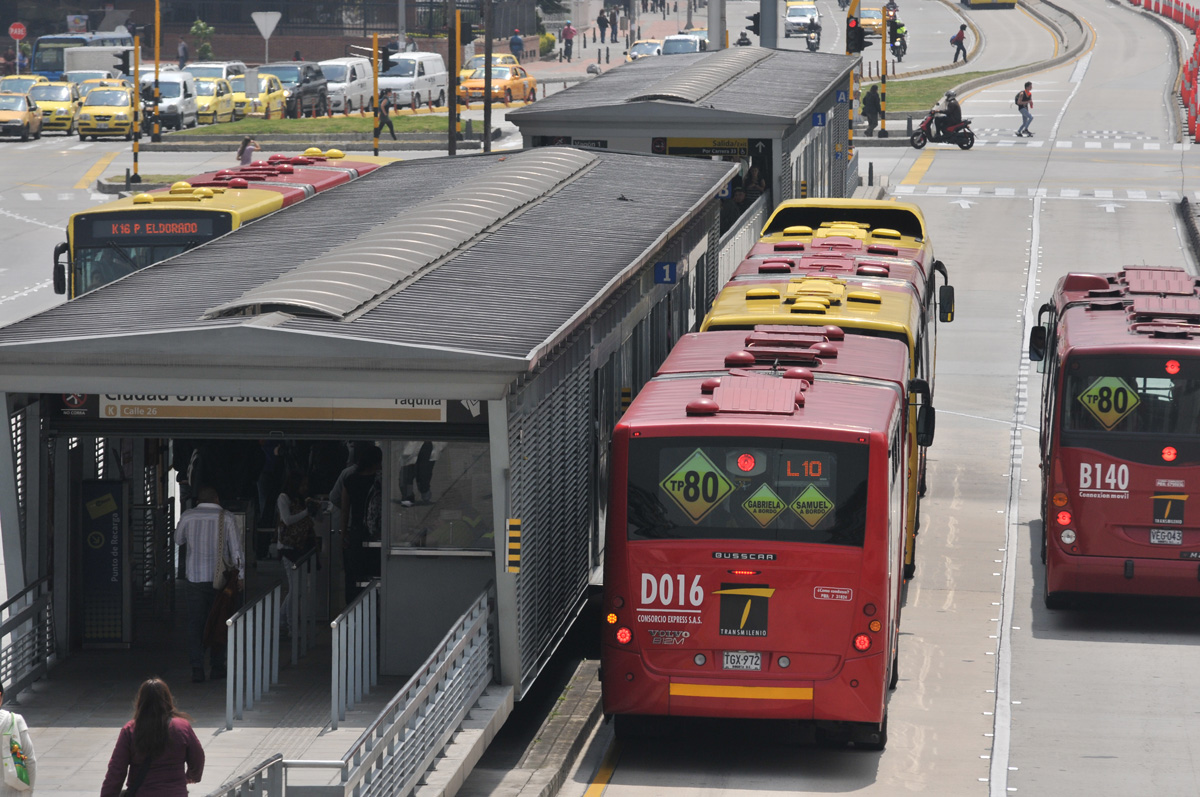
{"type": "Point", "coordinates": [652, 25]}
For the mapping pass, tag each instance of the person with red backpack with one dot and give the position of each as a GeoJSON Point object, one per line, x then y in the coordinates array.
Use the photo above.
{"type": "Point", "coordinates": [1024, 100]}
{"type": "Point", "coordinates": [959, 40]}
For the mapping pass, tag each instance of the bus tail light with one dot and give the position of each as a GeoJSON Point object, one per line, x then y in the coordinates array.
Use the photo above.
{"type": "Point", "coordinates": [875, 626]}
{"type": "Point", "coordinates": [1169, 453]}
{"type": "Point", "coordinates": [1059, 499]}
{"type": "Point", "coordinates": [1067, 536]}
{"type": "Point", "coordinates": [862, 643]}
{"type": "Point", "coordinates": [624, 635]}
{"type": "Point", "coordinates": [1063, 518]}
{"type": "Point", "coordinates": [611, 618]}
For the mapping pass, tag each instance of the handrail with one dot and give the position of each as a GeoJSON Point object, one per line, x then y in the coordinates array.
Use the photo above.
{"type": "Point", "coordinates": [739, 239]}
{"type": "Point", "coordinates": [251, 653]}
{"type": "Point", "coordinates": [354, 652]}
{"type": "Point", "coordinates": [30, 651]}
{"type": "Point", "coordinates": [265, 780]}
{"type": "Point", "coordinates": [23, 593]}
{"type": "Point", "coordinates": [301, 615]}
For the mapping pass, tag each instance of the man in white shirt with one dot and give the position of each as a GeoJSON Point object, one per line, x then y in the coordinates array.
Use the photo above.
{"type": "Point", "coordinates": [199, 530]}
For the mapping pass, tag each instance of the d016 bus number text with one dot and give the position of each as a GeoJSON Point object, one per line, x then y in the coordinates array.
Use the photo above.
{"type": "Point", "coordinates": [662, 589]}
{"type": "Point", "coordinates": [1095, 477]}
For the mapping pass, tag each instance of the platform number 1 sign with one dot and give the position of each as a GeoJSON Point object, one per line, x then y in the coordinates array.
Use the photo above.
{"type": "Point", "coordinates": [665, 272]}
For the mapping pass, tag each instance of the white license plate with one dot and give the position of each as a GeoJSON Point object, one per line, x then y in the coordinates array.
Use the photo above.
{"type": "Point", "coordinates": [102, 125]}
{"type": "Point", "coordinates": [742, 660]}
{"type": "Point", "coordinates": [1166, 536]}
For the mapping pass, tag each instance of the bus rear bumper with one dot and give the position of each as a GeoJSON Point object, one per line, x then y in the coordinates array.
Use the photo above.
{"type": "Point", "coordinates": [854, 694]}
{"type": "Point", "coordinates": [1108, 574]}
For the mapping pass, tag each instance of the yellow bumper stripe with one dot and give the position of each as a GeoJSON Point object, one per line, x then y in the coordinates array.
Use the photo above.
{"type": "Point", "coordinates": [745, 692]}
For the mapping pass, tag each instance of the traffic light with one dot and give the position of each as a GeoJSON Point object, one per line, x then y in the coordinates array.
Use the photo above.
{"type": "Point", "coordinates": [855, 36]}
{"type": "Point", "coordinates": [753, 26]}
{"type": "Point", "coordinates": [122, 61]}
{"type": "Point", "coordinates": [467, 34]}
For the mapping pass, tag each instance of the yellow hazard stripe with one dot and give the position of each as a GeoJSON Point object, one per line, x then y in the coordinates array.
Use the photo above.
{"type": "Point", "coordinates": [94, 173]}
{"type": "Point", "coordinates": [745, 692]}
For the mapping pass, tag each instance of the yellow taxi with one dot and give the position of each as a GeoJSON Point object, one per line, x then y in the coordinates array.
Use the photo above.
{"type": "Point", "coordinates": [269, 102]}
{"type": "Point", "coordinates": [214, 100]}
{"type": "Point", "coordinates": [106, 111]}
{"type": "Point", "coordinates": [508, 83]}
{"type": "Point", "coordinates": [19, 116]}
{"type": "Point", "coordinates": [642, 48]}
{"type": "Point", "coordinates": [499, 59]}
{"type": "Point", "coordinates": [59, 103]}
{"type": "Point", "coordinates": [871, 20]}
{"type": "Point", "coordinates": [87, 86]}
{"type": "Point", "coordinates": [20, 84]}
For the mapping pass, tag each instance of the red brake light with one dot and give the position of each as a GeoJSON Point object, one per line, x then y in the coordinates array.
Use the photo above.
{"type": "Point", "coordinates": [624, 635]}
{"type": "Point", "coordinates": [1172, 367]}
{"type": "Point", "coordinates": [1169, 453]}
{"type": "Point", "coordinates": [744, 572]}
{"type": "Point", "coordinates": [862, 643]}
{"type": "Point", "coordinates": [746, 463]}
{"type": "Point", "coordinates": [1063, 518]}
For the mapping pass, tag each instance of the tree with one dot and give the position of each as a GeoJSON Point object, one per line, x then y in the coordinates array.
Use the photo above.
{"type": "Point", "coordinates": [202, 33]}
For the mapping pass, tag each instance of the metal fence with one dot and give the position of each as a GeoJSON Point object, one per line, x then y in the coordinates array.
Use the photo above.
{"type": "Point", "coordinates": [355, 652]}
{"type": "Point", "coordinates": [265, 780]}
{"type": "Point", "coordinates": [738, 239]}
{"type": "Point", "coordinates": [302, 610]}
{"type": "Point", "coordinates": [27, 628]}
{"type": "Point", "coordinates": [251, 654]}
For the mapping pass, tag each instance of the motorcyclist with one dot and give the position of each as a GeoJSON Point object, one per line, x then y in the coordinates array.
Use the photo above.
{"type": "Point", "coordinates": [743, 40]}
{"type": "Point", "coordinates": [900, 37]}
{"type": "Point", "coordinates": [814, 27]}
{"type": "Point", "coordinates": [946, 113]}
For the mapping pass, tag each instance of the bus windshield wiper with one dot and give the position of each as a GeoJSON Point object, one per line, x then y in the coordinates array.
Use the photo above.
{"type": "Point", "coordinates": [132, 263]}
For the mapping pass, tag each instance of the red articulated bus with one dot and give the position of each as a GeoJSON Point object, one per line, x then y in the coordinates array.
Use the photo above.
{"type": "Point", "coordinates": [1120, 433]}
{"type": "Point", "coordinates": [755, 533]}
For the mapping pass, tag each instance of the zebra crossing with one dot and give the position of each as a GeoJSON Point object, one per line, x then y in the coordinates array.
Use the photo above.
{"type": "Point", "coordinates": [56, 195]}
{"type": "Point", "coordinates": [1105, 144]}
{"type": "Point", "coordinates": [1052, 193]}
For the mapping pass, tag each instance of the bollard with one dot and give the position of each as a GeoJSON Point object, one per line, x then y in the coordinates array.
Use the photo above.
{"type": "Point", "coordinates": [909, 134]}
{"type": "Point", "coordinates": [607, 55]}
{"type": "Point", "coordinates": [599, 56]}
{"type": "Point", "coordinates": [469, 126]}
{"type": "Point", "coordinates": [640, 34]}
{"type": "Point", "coordinates": [870, 173]}
{"type": "Point", "coordinates": [560, 56]}
{"type": "Point", "coordinates": [127, 175]}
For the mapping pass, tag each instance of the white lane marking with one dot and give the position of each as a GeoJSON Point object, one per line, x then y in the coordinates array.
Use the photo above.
{"type": "Point", "coordinates": [1133, 194]}
{"type": "Point", "coordinates": [912, 189]}
{"type": "Point", "coordinates": [1149, 145]}
{"type": "Point", "coordinates": [1002, 726]}
{"type": "Point", "coordinates": [1034, 143]}
{"type": "Point", "coordinates": [1077, 79]}
{"type": "Point", "coordinates": [970, 190]}
{"type": "Point", "coordinates": [1036, 191]}
{"type": "Point", "coordinates": [19, 217]}
{"type": "Point", "coordinates": [82, 146]}
{"type": "Point", "coordinates": [31, 289]}
{"type": "Point", "coordinates": [1069, 192]}
{"type": "Point", "coordinates": [66, 197]}
{"type": "Point", "coordinates": [30, 146]}
{"type": "Point", "coordinates": [936, 189]}
{"type": "Point", "coordinates": [1103, 193]}
{"type": "Point", "coordinates": [1091, 145]}
{"type": "Point", "coordinates": [32, 197]}
{"type": "Point", "coordinates": [1006, 191]}
{"type": "Point", "coordinates": [1064, 144]}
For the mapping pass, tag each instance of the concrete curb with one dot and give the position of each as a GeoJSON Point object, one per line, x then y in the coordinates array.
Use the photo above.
{"type": "Point", "coordinates": [1188, 218]}
{"type": "Point", "coordinates": [103, 187]}
{"type": "Point", "coordinates": [561, 738]}
{"type": "Point", "coordinates": [979, 42]}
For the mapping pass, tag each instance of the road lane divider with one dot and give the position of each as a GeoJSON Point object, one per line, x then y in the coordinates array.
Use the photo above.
{"type": "Point", "coordinates": [917, 172]}
{"type": "Point", "coordinates": [605, 772]}
{"type": "Point", "coordinates": [94, 173]}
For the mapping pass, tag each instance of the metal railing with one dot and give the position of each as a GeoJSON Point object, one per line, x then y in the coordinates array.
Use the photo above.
{"type": "Point", "coordinates": [355, 652]}
{"type": "Point", "coordinates": [27, 628]}
{"type": "Point", "coordinates": [265, 780]}
{"type": "Point", "coordinates": [302, 613]}
{"type": "Point", "coordinates": [738, 239]}
{"type": "Point", "coordinates": [394, 752]}
{"type": "Point", "coordinates": [251, 654]}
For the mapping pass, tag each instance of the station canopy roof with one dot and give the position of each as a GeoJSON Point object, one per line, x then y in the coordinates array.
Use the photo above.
{"type": "Point", "coordinates": [439, 278]}
{"type": "Point", "coordinates": [744, 85]}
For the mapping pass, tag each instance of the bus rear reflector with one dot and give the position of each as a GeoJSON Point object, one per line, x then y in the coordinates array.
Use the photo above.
{"type": "Point", "coordinates": [624, 635]}
{"type": "Point", "coordinates": [1169, 453]}
{"type": "Point", "coordinates": [1060, 499]}
{"type": "Point", "coordinates": [862, 643]}
{"type": "Point", "coordinates": [869, 609]}
{"type": "Point", "coordinates": [875, 626]}
{"type": "Point", "coordinates": [1067, 536]}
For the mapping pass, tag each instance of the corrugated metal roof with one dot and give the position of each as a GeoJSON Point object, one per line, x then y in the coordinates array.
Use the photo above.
{"type": "Point", "coordinates": [785, 84]}
{"type": "Point", "coordinates": [360, 271]}
{"type": "Point", "coordinates": [706, 76]}
{"type": "Point", "coordinates": [511, 294]}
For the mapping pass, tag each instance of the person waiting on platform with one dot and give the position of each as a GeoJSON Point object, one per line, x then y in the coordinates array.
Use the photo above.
{"type": "Point", "coordinates": [361, 507]}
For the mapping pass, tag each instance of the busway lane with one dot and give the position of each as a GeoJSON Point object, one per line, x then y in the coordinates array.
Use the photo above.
{"type": "Point", "coordinates": [1107, 701]}
{"type": "Point", "coordinates": [940, 715]}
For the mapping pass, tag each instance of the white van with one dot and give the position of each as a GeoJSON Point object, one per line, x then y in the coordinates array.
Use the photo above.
{"type": "Point", "coordinates": [416, 76]}
{"type": "Point", "coordinates": [350, 83]}
{"type": "Point", "coordinates": [177, 98]}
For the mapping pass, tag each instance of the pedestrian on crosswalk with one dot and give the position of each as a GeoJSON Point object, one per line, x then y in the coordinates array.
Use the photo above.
{"type": "Point", "coordinates": [959, 40]}
{"type": "Point", "coordinates": [1024, 101]}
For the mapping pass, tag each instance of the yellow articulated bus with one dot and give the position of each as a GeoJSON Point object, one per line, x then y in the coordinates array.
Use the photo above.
{"type": "Point", "coordinates": [859, 306]}
{"type": "Point", "coordinates": [111, 240]}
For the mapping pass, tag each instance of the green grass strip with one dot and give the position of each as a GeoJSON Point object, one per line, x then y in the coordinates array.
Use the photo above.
{"type": "Point", "coordinates": [920, 94]}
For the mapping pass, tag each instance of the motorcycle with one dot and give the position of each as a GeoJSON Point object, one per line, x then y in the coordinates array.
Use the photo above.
{"type": "Point", "coordinates": [899, 48]}
{"type": "Point", "coordinates": [813, 42]}
{"type": "Point", "coordinates": [959, 134]}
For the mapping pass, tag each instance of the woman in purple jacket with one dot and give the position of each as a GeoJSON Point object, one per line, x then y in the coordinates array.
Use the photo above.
{"type": "Point", "coordinates": [157, 752]}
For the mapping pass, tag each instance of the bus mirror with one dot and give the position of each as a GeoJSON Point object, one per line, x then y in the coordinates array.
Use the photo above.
{"type": "Point", "coordinates": [60, 270]}
{"type": "Point", "coordinates": [946, 303]}
{"type": "Point", "coordinates": [1037, 344]}
{"type": "Point", "coordinates": [920, 387]}
{"type": "Point", "coordinates": [925, 424]}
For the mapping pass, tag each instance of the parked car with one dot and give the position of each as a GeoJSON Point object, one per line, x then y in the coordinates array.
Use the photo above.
{"type": "Point", "coordinates": [416, 77]}
{"type": "Point", "coordinates": [19, 116]}
{"type": "Point", "coordinates": [305, 89]}
{"type": "Point", "coordinates": [643, 48]}
{"type": "Point", "coordinates": [349, 82]}
{"type": "Point", "coordinates": [225, 69]}
{"type": "Point", "coordinates": [270, 101]}
{"type": "Point", "coordinates": [683, 43]}
{"type": "Point", "coordinates": [59, 103]}
{"type": "Point", "coordinates": [508, 83]}
{"type": "Point", "coordinates": [107, 111]}
{"type": "Point", "coordinates": [214, 100]}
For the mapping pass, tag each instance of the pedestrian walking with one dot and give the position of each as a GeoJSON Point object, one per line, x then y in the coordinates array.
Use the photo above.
{"type": "Point", "coordinates": [213, 545]}
{"type": "Point", "coordinates": [357, 517]}
{"type": "Point", "coordinates": [157, 753]}
{"type": "Point", "coordinates": [871, 108]}
{"type": "Point", "coordinates": [568, 37]}
{"type": "Point", "coordinates": [612, 26]}
{"type": "Point", "coordinates": [959, 40]}
{"type": "Point", "coordinates": [246, 151]}
{"type": "Point", "coordinates": [183, 52]}
{"type": "Point", "coordinates": [20, 765]}
{"type": "Point", "coordinates": [297, 57]}
{"type": "Point", "coordinates": [516, 44]}
{"type": "Point", "coordinates": [1024, 100]}
{"type": "Point", "coordinates": [383, 109]}
{"type": "Point", "coordinates": [602, 24]}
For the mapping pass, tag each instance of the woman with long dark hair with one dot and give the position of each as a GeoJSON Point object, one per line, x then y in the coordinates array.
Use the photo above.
{"type": "Point", "coordinates": [157, 752]}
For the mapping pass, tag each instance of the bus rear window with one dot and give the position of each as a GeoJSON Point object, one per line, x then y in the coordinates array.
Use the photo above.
{"type": "Point", "coordinates": [747, 489]}
{"type": "Point", "coordinates": [1147, 394]}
